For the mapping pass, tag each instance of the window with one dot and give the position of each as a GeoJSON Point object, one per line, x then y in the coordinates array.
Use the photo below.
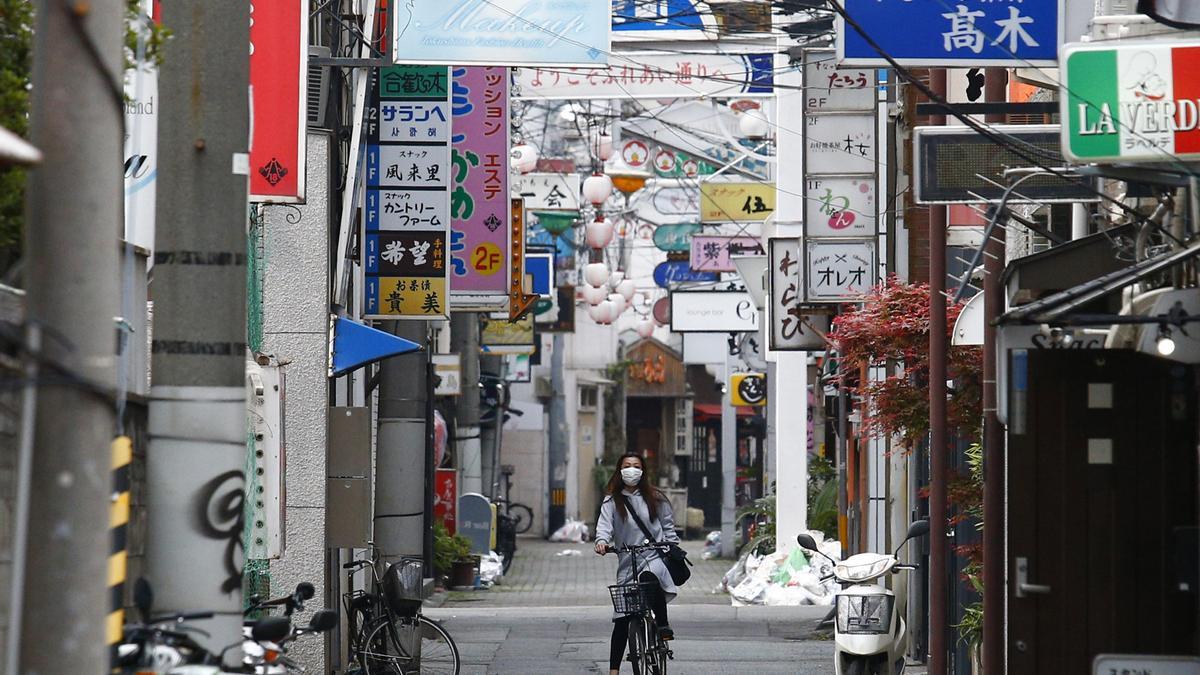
{"type": "Point", "coordinates": [587, 398]}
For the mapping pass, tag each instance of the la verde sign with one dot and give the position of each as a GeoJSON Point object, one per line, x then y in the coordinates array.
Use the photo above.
{"type": "Point", "coordinates": [1134, 102]}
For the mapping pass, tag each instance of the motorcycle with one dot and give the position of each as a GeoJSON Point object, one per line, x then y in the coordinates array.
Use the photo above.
{"type": "Point", "coordinates": [870, 636]}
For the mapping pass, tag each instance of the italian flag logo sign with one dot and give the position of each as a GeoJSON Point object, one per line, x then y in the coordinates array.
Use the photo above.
{"type": "Point", "coordinates": [1135, 102]}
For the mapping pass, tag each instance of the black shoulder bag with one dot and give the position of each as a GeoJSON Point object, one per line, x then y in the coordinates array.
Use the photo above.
{"type": "Point", "coordinates": [675, 558]}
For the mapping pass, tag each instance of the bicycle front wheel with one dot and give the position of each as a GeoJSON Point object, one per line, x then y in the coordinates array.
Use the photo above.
{"type": "Point", "coordinates": [410, 646]}
{"type": "Point", "coordinates": [522, 516]}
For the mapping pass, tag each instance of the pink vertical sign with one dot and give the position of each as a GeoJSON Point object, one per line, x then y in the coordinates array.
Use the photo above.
{"type": "Point", "coordinates": [479, 204]}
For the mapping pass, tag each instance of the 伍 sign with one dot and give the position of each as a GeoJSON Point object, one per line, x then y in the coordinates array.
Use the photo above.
{"type": "Point", "coordinates": [736, 202]}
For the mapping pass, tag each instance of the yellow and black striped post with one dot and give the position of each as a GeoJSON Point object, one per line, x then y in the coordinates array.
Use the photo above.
{"type": "Point", "coordinates": [118, 523]}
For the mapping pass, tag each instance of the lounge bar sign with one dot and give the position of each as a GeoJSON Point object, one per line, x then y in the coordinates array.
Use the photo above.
{"type": "Point", "coordinates": [1135, 102]}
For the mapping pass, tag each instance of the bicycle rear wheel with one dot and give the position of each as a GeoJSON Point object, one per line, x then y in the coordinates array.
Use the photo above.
{"type": "Point", "coordinates": [522, 516]}
{"type": "Point", "coordinates": [410, 646]}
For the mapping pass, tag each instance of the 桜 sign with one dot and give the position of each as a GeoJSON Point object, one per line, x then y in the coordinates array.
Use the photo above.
{"type": "Point", "coordinates": [278, 83]}
{"type": "Point", "coordinates": [1135, 102]}
{"type": "Point", "coordinates": [654, 75]}
{"type": "Point", "coordinates": [840, 206]}
{"type": "Point", "coordinates": [840, 143]}
{"type": "Point", "coordinates": [550, 191]}
{"type": "Point", "coordinates": [736, 202]}
{"type": "Point", "coordinates": [952, 32]}
{"type": "Point", "coordinates": [502, 32]}
{"type": "Point", "coordinates": [711, 254]}
{"type": "Point", "coordinates": [839, 271]}
{"type": "Point", "coordinates": [406, 219]}
{"type": "Point", "coordinates": [479, 201]}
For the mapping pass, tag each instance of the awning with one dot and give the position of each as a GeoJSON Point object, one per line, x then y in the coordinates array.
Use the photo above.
{"type": "Point", "coordinates": [713, 410]}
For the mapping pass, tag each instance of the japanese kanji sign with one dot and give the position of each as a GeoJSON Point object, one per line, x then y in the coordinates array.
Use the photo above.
{"type": "Point", "coordinates": [840, 143]}
{"type": "Point", "coordinates": [479, 199]}
{"type": "Point", "coordinates": [828, 87]}
{"type": "Point", "coordinates": [840, 206]}
{"type": "Point", "coordinates": [736, 202]}
{"type": "Point", "coordinates": [278, 83]}
{"type": "Point", "coordinates": [953, 32]}
{"type": "Point", "coordinates": [791, 329]}
{"type": "Point", "coordinates": [839, 271]}
{"type": "Point", "coordinates": [550, 191]}
{"type": "Point", "coordinates": [655, 75]}
{"type": "Point", "coordinates": [406, 219]}
{"type": "Point", "coordinates": [711, 254]}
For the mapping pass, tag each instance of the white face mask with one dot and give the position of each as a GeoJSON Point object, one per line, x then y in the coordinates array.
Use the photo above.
{"type": "Point", "coordinates": [631, 475]}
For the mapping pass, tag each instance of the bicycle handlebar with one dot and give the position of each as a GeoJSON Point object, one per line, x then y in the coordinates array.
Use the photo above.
{"type": "Point", "coordinates": [356, 563]}
{"type": "Point", "coordinates": [652, 545]}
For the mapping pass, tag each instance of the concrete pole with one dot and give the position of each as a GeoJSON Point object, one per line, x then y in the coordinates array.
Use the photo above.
{"type": "Point", "coordinates": [71, 268]}
{"type": "Point", "coordinates": [464, 340]}
{"type": "Point", "coordinates": [489, 436]}
{"type": "Point", "coordinates": [194, 481]}
{"type": "Point", "coordinates": [400, 449]}
{"type": "Point", "coordinates": [556, 470]}
{"type": "Point", "coordinates": [791, 454]}
{"type": "Point", "coordinates": [728, 462]}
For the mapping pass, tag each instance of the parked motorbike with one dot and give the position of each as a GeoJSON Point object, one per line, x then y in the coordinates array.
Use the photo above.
{"type": "Point", "coordinates": [870, 636]}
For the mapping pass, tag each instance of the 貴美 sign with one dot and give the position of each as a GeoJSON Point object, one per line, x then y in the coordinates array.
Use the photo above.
{"type": "Point", "coordinates": [839, 271]}
{"type": "Point", "coordinates": [736, 202]}
{"type": "Point", "coordinates": [791, 329]}
{"type": "Point", "coordinates": [1133, 102]}
{"type": "Point", "coordinates": [479, 200]}
{"type": "Point", "coordinates": [655, 75]}
{"type": "Point", "coordinates": [712, 254]}
{"type": "Point", "coordinates": [550, 191]}
{"type": "Point", "coordinates": [952, 32]}
{"type": "Point", "coordinates": [713, 312]}
{"type": "Point", "coordinates": [406, 219]}
{"type": "Point", "coordinates": [502, 32]}
{"type": "Point", "coordinates": [840, 206]}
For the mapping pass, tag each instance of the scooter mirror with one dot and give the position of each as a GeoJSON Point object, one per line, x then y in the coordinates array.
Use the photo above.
{"type": "Point", "coordinates": [323, 620]}
{"type": "Point", "coordinates": [271, 629]}
{"type": "Point", "coordinates": [919, 528]}
{"type": "Point", "coordinates": [305, 590]}
{"type": "Point", "coordinates": [806, 541]}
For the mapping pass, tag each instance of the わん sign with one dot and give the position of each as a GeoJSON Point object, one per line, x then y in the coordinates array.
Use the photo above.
{"type": "Point", "coordinates": [502, 32]}
{"type": "Point", "coordinates": [278, 84]}
{"type": "Point", "coordinates": [952, 32]}
{"type": "Point", "coordinates": [1135, 102]}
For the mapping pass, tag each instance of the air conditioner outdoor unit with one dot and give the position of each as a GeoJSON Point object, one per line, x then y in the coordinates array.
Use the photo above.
{"type": "Point", "coordinates": [742, 17]}
{"type": "Point", "coordinates": [318, 89]}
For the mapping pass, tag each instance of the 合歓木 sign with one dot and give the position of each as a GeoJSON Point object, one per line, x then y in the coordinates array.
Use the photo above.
{"type": "Point", "coordinates": [791, 329]}
{"type": "Point", "coordinates": [952, 33]}
{"type": "Point", "coordinates": [502, 32]}
{"type": "Point", "coordinates": [840, 206]}
{"type": "Point", "coordinates": [1131, 102]}
{"type": "Point", "coordinates": [278, 84]}
{"type": "Point", "coordinates": [655, 75]}
{"type": "Point", "coordinates": [712, 312]}
{"type": "Point", "coordinates": [406, 219]}
{"type": "Point", "coordinates": [550, 191]}
{"type": "Point", "coordinates": [479, 199]}
{"type": "Point", "coordinates": [736, 202]}
{"type": "Point", "coordinates": [839, 271]}
{"type": "Point", "coordinates": [712, 253]}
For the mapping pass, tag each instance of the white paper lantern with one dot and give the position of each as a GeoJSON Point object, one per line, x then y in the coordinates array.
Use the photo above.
{"type": "Point", "coordinates": [645, 328]}
{"type": "Point", "coordinates": [754, 124]}
{"type": "Point", "coordinates": [604, 147]}
{"type": "Point", "coordinates": [627, 288]}
{"type": "Point", "coordinates": [523, 158]}
{"type": "Point", "coordinates": [618, 302]}
{"type": "Point", "coordinates": [593, 295]}
{"type": "Point", "coordinates": [597, 188]}
{"type": "Point", "coordinates": [613, 311]}
{"type": "Point", "coordinates": [599, 233]}
{"type": "Point", "coordinates": [596, 273]}
{"type": "Point", "coordinates": [601, 313]}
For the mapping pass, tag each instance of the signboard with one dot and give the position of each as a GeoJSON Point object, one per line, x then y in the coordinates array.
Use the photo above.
{"type": "Point", "coordinates": [828, 87]}
{"type": "Point", "coordinates": [445, 498]}
{"type": "Point", "coordinates": [635, 153]}
{"type": "Point", "coordinates": [948, 163]}
{"type": "Point", "coordinates": [502, 32]}
{"type": "Point", "coordinates": [278, 91]}
{"type": "Point", "coordinates": [655, 370]}
{"type": "Point", "coordinates": [475, 518]}
{"type": "Point", "coordinates": [791, 329]}
{"type": "Point", "coordinates": [517, 368]}
{"type": "Point", "coordinates": [141, 153]}
{"type": "Point", "coordinates": [1137, 102]}
{"type": "Point", "coordinates": [839, 271]}
{"type": "Point", "coordinates": [519, 301]}
{"type": "Point", "coordinates": [713, 312]}
{"type": "Point", "coordinates": [500, 332]}
{"type": "Point", "coordinates": [654, 76]}
{"type": "Point", "coordinates": [959, 33]}
{"type": "Point", "coordinates": [560, 316]}
{"type": "Point", "coordinates": [406, 219]}
{"type": "Point", "coordinates": [736, 202]}
{"type": "Point", "coordinates": [748, 389]}
{"type": "Point", "coordinates": [550, 191]}
{"type": "Point", "coordinates": [840, 143]}
{"type": "Point", "coordinates": [711, 254]}
{"type": "Point", "coordinates": [448, 368]}
{"type": "Point", "coordinates": [667, 20]}
{"type": "Point", "coordinates": [1145, 664]}
{"type": "Point", "coordinates": [479, 202]}
{"type": "Point", "coordinates": [670, 205]}
{"type": "Point", "coordinates": [539, 272]}
{"type": "Point", "coordinates": [840, 206]}
{"type": "Point", "coordinates": [680, 272]}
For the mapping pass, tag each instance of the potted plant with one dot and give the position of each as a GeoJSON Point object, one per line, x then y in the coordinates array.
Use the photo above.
{"type": "Point", "coordinates": [452, 559]}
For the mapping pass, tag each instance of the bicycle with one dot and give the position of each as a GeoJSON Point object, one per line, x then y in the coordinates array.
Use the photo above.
{"type": "Point", "coordinates": [521, 514]}
{"type": "Point", "coordinates": [388, 633]}
{"type": "Point", "coordinates": [647, 651]}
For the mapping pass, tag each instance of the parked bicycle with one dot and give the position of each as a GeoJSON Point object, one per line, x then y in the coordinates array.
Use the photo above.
{"type": "Point", "coordinates": [521, 515]}
{"type": "Point", "coordinates": [388, 633]}
{"type": "Point", "coordinates": [647, 651]}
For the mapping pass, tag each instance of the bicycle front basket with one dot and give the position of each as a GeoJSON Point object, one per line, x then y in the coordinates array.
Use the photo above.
{"type": "Point", "coordinates": [403, 584]}
{"type": "Point", "coordinates": [629, 598]}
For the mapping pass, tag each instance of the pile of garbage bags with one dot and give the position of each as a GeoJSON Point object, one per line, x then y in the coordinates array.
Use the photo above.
{"type": "Point", "coordinates": [491, 568]}
{"type": "Point", "coordinates": [784, 578]}
{"type": "Point", "coordinates": [573, 531]}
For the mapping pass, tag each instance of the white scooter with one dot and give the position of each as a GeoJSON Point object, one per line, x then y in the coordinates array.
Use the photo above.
{"type": "Point", "coordinates": [870, 636]}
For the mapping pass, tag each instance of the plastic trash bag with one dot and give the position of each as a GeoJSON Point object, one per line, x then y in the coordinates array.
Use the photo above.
{"type": "Point", "coordinates": [712, 546]}
{"type": "Point", "coordinates": [573, 531]}
{"type": "Point", "coordinates": [795, 563]}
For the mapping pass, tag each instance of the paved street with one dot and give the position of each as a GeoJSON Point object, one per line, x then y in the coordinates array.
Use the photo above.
{"type": "Point", "coordinates": [552, 615]}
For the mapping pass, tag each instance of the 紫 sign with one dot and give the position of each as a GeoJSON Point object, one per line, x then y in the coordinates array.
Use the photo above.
{"type": "Point", "coordinates": [712, 254]}
{"type": "Point", "coordinates": [839, 271]}
{"type": "Point", "coordinates": [655, 75]}
{"type": "Point", "coordinates": [736, 202]}
{"type": "Point", "coordinates": [1137, 102]}
{"type": "Point", "coordinates": [712, 312]}
{"type": "Point", "coordinates": [278, 86]}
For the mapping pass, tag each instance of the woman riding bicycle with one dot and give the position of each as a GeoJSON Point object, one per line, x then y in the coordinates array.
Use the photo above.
{"type": "Point", "coordinates": [629, 488]}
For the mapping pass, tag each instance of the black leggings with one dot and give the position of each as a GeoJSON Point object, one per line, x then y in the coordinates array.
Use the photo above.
{"type": "Point", "coordinates": [620, 634]}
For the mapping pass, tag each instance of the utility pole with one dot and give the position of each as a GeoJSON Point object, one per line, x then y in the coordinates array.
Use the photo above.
{"type": "Point", "coordinates": [556, 467]}
{"type": "Point", "coordinates": [72, 235]}
{"type": "Point", "coordinates": [195, 483]}
{"type": "Point", "coordinates": [728, 461]}
{"type": "Point", "coordinates": [464, 340]}
{"type": "Point", "coordinates": [491, 365]}
{"type": "Point", "coordinates": [400, 475]}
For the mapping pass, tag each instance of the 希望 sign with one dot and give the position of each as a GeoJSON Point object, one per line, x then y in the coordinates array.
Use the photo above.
{"type": "Point", "coordinates": [736, 202]}
{"type": "Point", "coordinates": [1133, 102]}
{"type": "Point", "coordinates": [406, 219]}
{"type": "Point", "coordinates": [839, 271]}
{"type": "Point", "coordinates": [952, 33]}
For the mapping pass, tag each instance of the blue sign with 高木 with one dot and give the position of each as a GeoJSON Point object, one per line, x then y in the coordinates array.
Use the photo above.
{"type": "Point", "coordinates": [663, 15]}
{"type": "Point", "coordinates": [680, 271]}
{"type": "Point", "coordinates": [952, 32]}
